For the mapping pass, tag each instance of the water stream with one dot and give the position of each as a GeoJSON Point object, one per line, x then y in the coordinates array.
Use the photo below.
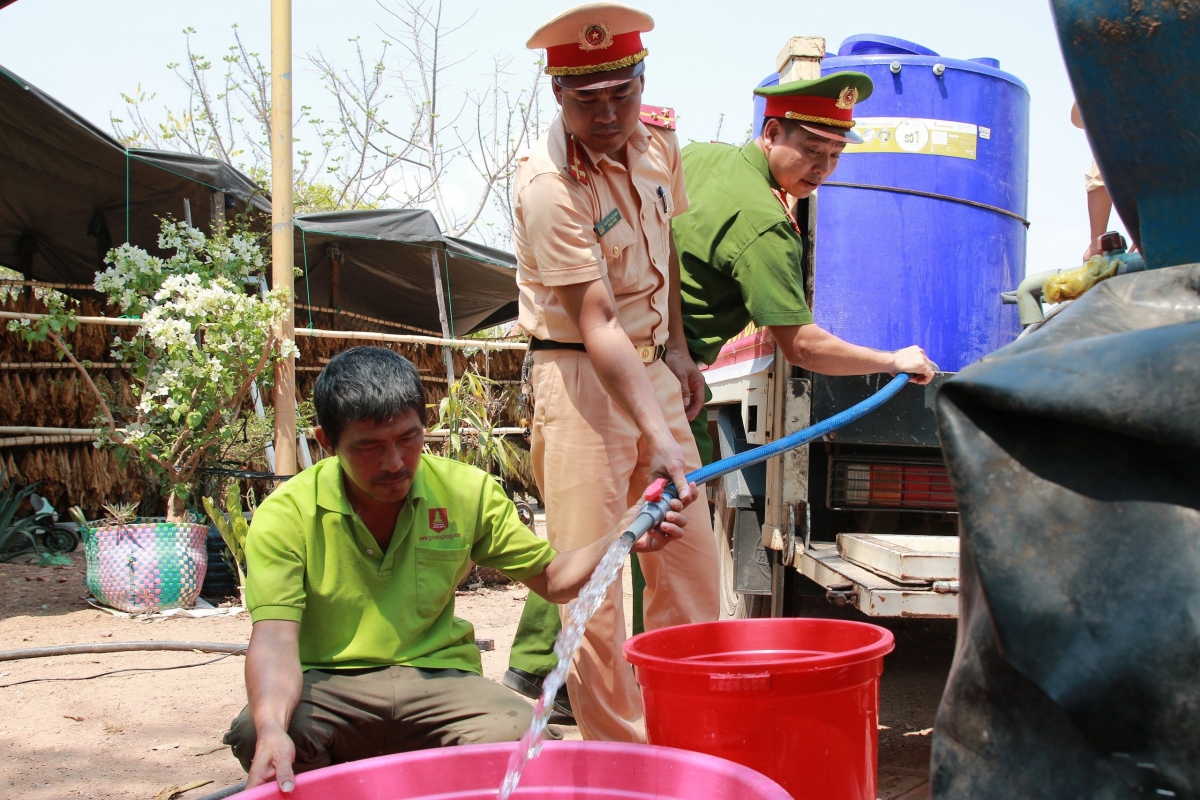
{"type": "Point", "coordinates": [579, 611]}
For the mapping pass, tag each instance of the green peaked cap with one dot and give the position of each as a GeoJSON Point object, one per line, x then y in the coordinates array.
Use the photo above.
{"type": "Point", "coordinates": [824, 106]}
{"type": "Point", "coordinates": [828, 86]}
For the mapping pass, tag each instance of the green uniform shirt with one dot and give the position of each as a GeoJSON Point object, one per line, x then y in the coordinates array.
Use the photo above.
{"type": "Point", "coordinates": [740, 257]}
{"type": "Point", "coordinates": [310, 559]}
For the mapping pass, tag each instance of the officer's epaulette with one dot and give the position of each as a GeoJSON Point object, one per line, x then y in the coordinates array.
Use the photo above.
{"type": "Point", "coordinates": [658, 117]}
{"type": "Point", "coordinates": [578, 163]}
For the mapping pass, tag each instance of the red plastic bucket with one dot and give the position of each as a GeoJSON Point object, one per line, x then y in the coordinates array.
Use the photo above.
{"type": "Point", "coordinates": [564, 771]}
{"type": "Point", "coordinates": [794, 699]}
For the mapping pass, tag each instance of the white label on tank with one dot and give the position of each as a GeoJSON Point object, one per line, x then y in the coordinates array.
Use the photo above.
{"type": "Point", "coordinates": [912, 136]}
{"type": "Point", "coordinates": [933, 137]}
{"type": "Point", "coordinates": [985, 133]}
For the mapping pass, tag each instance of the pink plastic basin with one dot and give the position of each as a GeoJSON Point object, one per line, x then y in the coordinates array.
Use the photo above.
{"type": "Point", "coordinates": [564, 771]}
{"type": "Point", "coordinates": [795, 699]}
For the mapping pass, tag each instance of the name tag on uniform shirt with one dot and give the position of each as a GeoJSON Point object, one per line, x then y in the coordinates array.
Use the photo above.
{"type": "Point", "coordinates": [605, 225]}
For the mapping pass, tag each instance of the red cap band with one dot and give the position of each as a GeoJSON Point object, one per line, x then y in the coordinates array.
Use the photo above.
{"type": "Point", "coordinates": [573, 59]}
{"type": "Point", "coordinates": [806, 108]}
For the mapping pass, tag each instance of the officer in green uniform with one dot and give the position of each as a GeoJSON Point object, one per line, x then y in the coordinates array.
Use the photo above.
{"type": "Point", "coordinates": [741, 250]}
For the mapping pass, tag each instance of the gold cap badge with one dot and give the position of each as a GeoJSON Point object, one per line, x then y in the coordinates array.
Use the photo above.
{"type": "Point", "coordinates": [847, 98]}
{"type": "Point", "coordinates": [595, 36]}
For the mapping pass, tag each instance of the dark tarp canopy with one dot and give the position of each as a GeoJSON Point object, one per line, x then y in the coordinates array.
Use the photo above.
{"type": "Point", "coordinates": [69, 191]}
{"type": "Point", "coordinates": [387, 270]}
{"type": "Point", "coordinates": [1075, 456]}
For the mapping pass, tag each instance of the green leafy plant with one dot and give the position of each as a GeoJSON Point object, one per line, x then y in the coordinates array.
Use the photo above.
{"type": "Point", "coordinates": [203, 342]}
{"type": "Point", "coordinates": [76, 514]}
{"type": "Point", "coordinates": [17, 535]}
{"type": "Point", "coordinates": [120, 514]}
{"type": "Point", "coordinates": [467, 415]}
{"type": "Point", "coordinates": [233, 529]}
{"type": "Point", "coordinates": [255, 433]}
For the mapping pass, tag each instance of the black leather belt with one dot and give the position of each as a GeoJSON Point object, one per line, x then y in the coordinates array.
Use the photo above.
{"type": "Point", "coordinates": [649, 353]}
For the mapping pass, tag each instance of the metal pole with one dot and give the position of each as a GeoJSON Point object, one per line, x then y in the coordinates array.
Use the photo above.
{"type": "Point", "coordinates": [447, 355]}
{"type": "Point", "coordinates": [282, 212]}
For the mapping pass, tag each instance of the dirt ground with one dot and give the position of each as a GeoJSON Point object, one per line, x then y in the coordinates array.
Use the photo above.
{"type": "Point", "coordinates": [135, 734]}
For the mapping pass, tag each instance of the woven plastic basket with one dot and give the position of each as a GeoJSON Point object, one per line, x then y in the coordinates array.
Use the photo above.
{"type": "Point", "coordinates": [146, 566]}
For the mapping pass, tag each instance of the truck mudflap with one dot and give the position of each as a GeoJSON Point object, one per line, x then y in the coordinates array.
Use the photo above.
{"type": "Point", "coordinates": [875, 595]}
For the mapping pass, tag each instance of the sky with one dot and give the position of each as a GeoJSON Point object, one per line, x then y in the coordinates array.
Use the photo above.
{"type": "Point", "coordinates": [705, 57]}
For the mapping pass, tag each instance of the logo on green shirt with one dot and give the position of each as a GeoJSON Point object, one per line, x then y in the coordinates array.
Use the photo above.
{"type": "Point", "coordinates": [438, 520]}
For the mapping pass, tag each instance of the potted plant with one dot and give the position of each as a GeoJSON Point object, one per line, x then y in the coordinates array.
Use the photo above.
{"type": "Point", "coordinates": [467, 423]}
{"type": "Point", "coordinates": [233, 529]}
{"type": "Point", "coordinates": [467, 419]}
{"type": "Point", "coordinates": [203, 342]}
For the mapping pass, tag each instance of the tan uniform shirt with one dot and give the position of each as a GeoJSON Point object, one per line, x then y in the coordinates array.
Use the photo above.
{"type": "Point", "coordinates": [557, 244]}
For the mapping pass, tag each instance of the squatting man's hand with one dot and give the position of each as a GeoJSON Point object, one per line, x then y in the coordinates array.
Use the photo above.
{"type": "Point", "coordinates": [672, 527]}
{"type": "Point", "coordinates": [273, 757]}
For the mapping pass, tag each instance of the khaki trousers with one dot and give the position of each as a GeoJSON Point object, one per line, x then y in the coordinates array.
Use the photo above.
{"type": "Point", "coordinates": [591, 464]}
{"type": "Point", "coordinates": [347, 715]}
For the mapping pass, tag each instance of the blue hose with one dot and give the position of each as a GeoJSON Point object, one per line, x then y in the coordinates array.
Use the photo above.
{"type": "Point", "coordinates": [811, 433]}
{"type": "Point", "coordinates": [653, 512]}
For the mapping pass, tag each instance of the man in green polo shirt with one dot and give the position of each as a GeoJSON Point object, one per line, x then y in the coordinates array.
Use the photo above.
{"type": "Point", "coordinates": [741, 250]}
{"type": "Point", "coordinates": [351, 571]}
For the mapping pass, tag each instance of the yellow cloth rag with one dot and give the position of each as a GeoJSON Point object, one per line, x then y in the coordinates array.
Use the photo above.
{"type": "Point", "coordinates": [1074, 282]}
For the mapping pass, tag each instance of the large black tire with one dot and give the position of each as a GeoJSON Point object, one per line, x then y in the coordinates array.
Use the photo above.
{"type": "Point", "coordinates": [219, 582]}
{"type": "Point", "coordinates": [733, 604]}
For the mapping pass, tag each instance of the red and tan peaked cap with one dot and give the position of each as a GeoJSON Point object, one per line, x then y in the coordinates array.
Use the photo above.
{"type": "Point", "coordinates": [594, 45]}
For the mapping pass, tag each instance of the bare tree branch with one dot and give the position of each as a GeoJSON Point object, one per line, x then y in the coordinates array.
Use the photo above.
{"type": "Point", "coordinates": [388, 139]}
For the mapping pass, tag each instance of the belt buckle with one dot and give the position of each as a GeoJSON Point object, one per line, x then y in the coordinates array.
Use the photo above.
{"type": "Point", "coordinates": [646, 353]}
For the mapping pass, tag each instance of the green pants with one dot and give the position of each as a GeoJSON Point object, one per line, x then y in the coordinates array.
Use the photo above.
{"type": "Point", "coordinates": [347, 715]}
{"type": "Point", "coordinates": [533, 645]}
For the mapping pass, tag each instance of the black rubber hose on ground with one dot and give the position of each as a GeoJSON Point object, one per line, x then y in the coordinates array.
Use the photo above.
{"type": "Point", "coordinates": [221, 795]}
{"type": "Point", "coordinates": [120, 647]}
{"type": "Point", "coordinates": [123, 647]}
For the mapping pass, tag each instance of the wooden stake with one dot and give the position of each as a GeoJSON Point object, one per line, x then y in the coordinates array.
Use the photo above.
{"type": "Point", "coordinates": [335, 257]}
{"type": "Point", "coordinates": [216, 213]}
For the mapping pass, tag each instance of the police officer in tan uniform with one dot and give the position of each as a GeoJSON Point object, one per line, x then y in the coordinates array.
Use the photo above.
{"type": "Point", "coordinates": [612, 381]}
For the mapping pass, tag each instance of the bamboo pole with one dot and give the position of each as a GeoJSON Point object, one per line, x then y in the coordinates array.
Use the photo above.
{"type": "Point", "coordinates": [282, 217]}
{"type": "Point", "coordinates": [401, 338]}
{"type": "Point", "coordinates": [35, 365]}
{"type": "Point", "coordinates": [445, 434]}
{"type": "Point", "coordinates": [47, 285]}
{"type": "Point", "coordinates": [29, 441]}
{"type": "Point", "coordinates": [318, 333]}
{"type": "Point", "coordinates": [119, 322]}
{"type": "Point", "coordinates": [27, 430]}
{"type": "Point", "coordinates": [365, 318]}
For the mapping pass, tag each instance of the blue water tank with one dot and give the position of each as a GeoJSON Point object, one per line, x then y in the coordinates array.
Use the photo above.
{"type": "Point", "coordinates": [921, 227]}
